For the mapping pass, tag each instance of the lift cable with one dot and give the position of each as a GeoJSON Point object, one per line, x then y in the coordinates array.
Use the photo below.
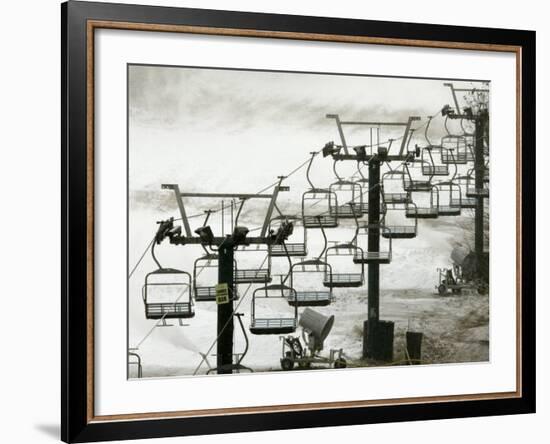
{"type": "Point", "coordinates": [295, 170]}
{"type": "Point", "coordinates": [299, 167]}
{"type": "Point", "coordinates": [141, 258]}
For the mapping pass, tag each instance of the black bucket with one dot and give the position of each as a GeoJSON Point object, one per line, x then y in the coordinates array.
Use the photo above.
{"type": "Point", "coordinates": [414, 347]}
{"type": "Point", "coordinates": [378, 345]}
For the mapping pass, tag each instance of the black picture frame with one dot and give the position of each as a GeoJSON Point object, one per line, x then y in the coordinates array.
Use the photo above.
{"type": "Point", "coordinates": [77, 424]}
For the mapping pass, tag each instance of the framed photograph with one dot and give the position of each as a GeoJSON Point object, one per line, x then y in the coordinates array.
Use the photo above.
{"type": "Point", "coordinates": [275, 221]}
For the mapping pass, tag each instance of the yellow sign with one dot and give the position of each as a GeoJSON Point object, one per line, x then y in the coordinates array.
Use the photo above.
{"type": "Point", "coordinates": [222, 293]}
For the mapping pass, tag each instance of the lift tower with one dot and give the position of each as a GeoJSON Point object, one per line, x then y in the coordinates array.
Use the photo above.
{"type": "Point", "coordinates": [478, 114]}
{"type": "Point", "coordinates": [374, 338]}
{"type": "Point", "coordinates": [224, 246]}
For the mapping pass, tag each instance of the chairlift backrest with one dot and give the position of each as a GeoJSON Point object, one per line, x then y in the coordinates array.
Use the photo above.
{"type": "Point", "coordinates": [167, 293]}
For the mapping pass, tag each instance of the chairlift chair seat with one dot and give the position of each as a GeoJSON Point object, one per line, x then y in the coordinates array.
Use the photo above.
{"type": "Point", "coordinates": [429, 167]}
{"type": "Point", "coordinates": [448, 157]}
{"type": "Point", "coordinates": [449, 210]}
{"type": "Point", "coordinates": [292, 249]}
{"type": "Point", "coordinates": [252, 276]}
{"type": "Point", "coordinates": [310, 298]}
{"type": "Point", "coordinates": [426, 211]}
{"type": "Point", "coordinates": [395, 198]}
{"type": "Point", "coordinates": [324, 218]}
{"type": "Point", "coordinates": [435, 170]}
{"type": "Point", "coordinates": [373, 257]}
{"type": "Point", "coordinates": [417, 185]}
{"type": "Point", "coordinates": [422, 213]}
{"type": "Point", "coordinates": [362, 204]}
{"type": "Point", "coordinates": [465, 202]}
{"type": "Point", "coordinates": [454, 150]}
{"type": "Point", "coordinates": [322, 221]}
{"type": "Point", "coordinates": [168, 310]}
{"type": "Point", "coordinates": [451, 194]}
{"type": "Point", "coordinates": [205, 294]}
{"type": "Point", "coordinates": [400, 232]}
{"type": "Point", "coordinates": [412, 184]}
{"type": "Point", "coordinates": [477, 192]}
{"type": "Point", "coordinates": [343, 280]}
{"type": "Point", "coordinates": [274, 325]}
{"type": "Point", "coordinates": [172, 284]}
{"type": "Point", "coordinates": [364, 207]}
{"type": "Point", "coordinates": [345, 210]}
{"type": "Point", "coordinates": [338, 279]}
{"type": "Point", "coordinates": [392, 187]}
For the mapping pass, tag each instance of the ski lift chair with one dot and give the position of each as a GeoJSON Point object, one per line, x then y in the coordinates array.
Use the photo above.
{"type": "Point", "coordinates": [337, 279]}
{"type": "Point", "coordinates": [269, 324]}
{"type": "Point", "coordinates": [316, 205]}
{"type": "Point", "coordinates": [469, 140]}
{"type": "Point", "coordinates": [207, 292]}
{"type": "Point", "coordinates": [429, 167]}
{"type": "Point", "coordinates": [313, 214]}
{"type": "Point", "coordinates": [428, 210]}
{"type": "Point", "coordinates": [392, 187]}
{"type": "Point", "coordinates": [259, 275]}
{"type": "Point", "coordinates": [290, 248]}
{"type": "Point", "coordinates": [362, 204]}
{"type": "Point", "coordinates": [471, 190]}
{"type": "Point", "coordinates": [414, 184]}
{"type": "Point", "coordinates": [365, 256]}
{"type": "Point", "coordinates": [347, 192]}
{"type": "Point", "coordinates": [461, 200]}
{"type": "Point", "coordinates": [449, 193]}
{"type": "Point", "coordinates": [454, 150]}
{"type": "Point", "coordinates": [401, 230]}
{"type": "Point", "coordinates": [167, 294]}
{"type": "Point", "coordinates": [354, 192]}
{"type": "Point", "coordinates": [309, 298]}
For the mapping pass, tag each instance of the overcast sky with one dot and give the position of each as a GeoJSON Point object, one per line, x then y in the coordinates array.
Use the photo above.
{"type": "Point", "coordinates": [232, 130]}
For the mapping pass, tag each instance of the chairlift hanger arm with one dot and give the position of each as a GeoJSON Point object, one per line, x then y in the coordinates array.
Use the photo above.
{"type": "Point", "coordinates": [459, 114]}
{"type": "Point", "coordinates": [369, 157]}
{"type": "Point", "coordinates": [241, 196]}
{"type": "Point", "coordinates": [405, 141]}
{"type": "Point", "coordinates": [272, 205]}
{"type": "Point", "coordinates": [181, 207]}
{"type": "Point", "coordinates": [455, 99]}
{"type": "Point", "coordinates": [228, 195]}
{"type": "Point", "coordinates": [360, 122]}
{"type": "Point", "coordinates": [341, 123]}
{"type": "Point", "coordinates": [338, 177]}
{"type": "Point", "coordinates": [340, 130]}
{"type": "Point", "coordinates": [219, 240]}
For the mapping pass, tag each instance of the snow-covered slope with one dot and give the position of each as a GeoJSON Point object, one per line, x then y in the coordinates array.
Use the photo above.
{"type": "Point", "coordinates": [455, 328]}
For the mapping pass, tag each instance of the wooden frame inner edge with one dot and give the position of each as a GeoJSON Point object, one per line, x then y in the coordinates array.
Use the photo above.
{"type": "Point", "coordinates": [96, 24]}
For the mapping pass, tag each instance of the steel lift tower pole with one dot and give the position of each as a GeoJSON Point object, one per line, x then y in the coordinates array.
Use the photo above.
{"type": "Point", "coordinates": [225, 326]}
{"type": "Point", "coordinates": [373, 246]}
{"type": "Point", "coordinates": [481, 122]}
{"type": "Point", "coordinates": [378, 340]}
